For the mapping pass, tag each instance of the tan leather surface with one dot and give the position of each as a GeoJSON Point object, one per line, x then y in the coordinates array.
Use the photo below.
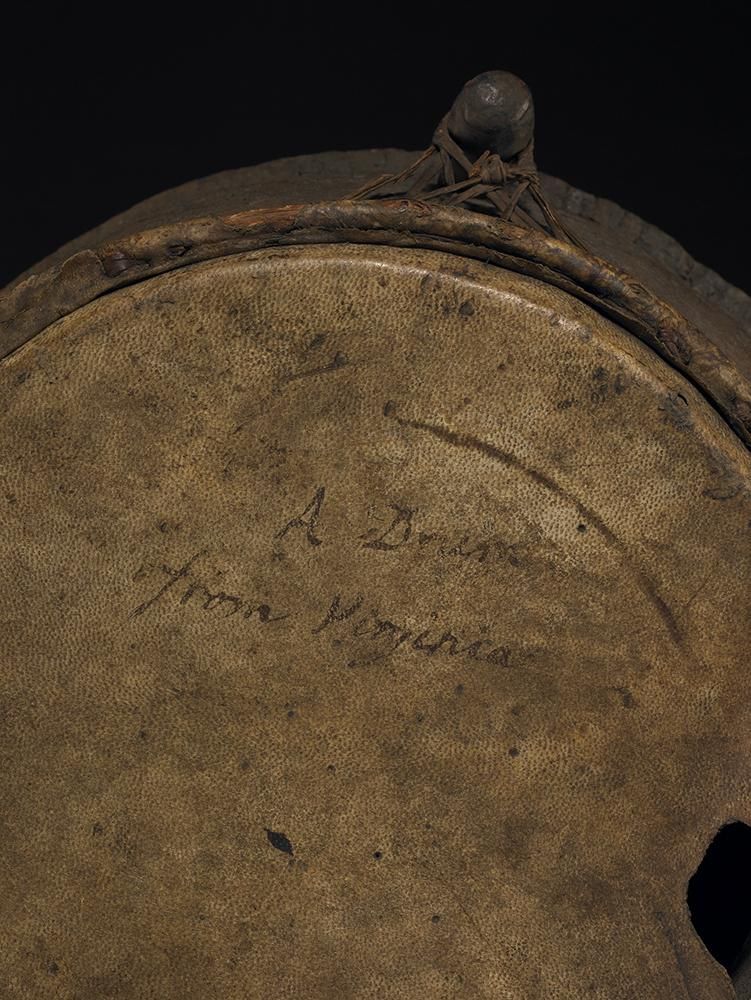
{"type": "Point", "coordinates": [720, 311]}
{"type": "Point", "coordinates": [29, 307]}
{"type": "Point", "coordinates": [375, 625]}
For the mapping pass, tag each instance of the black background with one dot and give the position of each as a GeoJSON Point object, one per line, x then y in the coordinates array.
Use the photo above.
{"type": "Point", "coordinates": [644, 107]}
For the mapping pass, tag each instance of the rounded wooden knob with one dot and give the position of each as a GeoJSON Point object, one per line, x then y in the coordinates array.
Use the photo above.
{"type": "Point", "coordinates": [493, 111]}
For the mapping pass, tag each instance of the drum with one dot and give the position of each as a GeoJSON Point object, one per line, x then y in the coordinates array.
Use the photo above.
{"type": "Point", "coordinates": [376, 587]}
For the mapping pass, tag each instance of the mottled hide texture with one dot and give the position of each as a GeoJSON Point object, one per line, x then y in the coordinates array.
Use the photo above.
{"type": "Point", "coordinates": [374, 625]}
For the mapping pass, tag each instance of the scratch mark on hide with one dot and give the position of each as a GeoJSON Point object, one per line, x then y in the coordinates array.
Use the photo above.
{"type": "Point", "coordinates": [338, 361]}
{"type": "Point", "coordinates": [679, 960]}
{"type": "Point", "coordinates": [459, 439]}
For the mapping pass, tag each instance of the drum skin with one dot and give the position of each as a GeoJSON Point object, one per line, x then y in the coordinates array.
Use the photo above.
{"type": "Point", "coordinates": [375, 625]}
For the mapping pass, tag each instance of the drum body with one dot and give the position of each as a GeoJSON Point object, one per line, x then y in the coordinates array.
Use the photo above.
{"type": "Point", "coordinates": [375, 603]}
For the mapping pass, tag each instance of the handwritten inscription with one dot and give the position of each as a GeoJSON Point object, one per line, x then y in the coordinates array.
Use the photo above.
{"type": "Point", "coordinates": [404, 527]}
{"type": "Point", "coordinates": [402, 531]}
{"type": "Point", "coordinates": [389, 636]}
{"type": "Point", "coordinates": [216, 601]}
{"type": "Point", "coordinates": [308, 519]}
{"type": "Point", "coordinates": [356, 619]}
{"type": "Point", "coordinates": [356, 623]}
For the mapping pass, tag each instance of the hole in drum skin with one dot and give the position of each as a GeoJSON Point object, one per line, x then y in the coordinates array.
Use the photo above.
{"type": "Point", "coordinates": [719, 898]}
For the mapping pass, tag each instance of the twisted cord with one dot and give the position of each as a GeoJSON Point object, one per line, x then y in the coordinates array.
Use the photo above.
{"type": "Point", "coordinates": [444, 173]}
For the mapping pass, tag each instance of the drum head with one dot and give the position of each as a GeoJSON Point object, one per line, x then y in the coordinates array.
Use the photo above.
{"type": "Point", "coordinates": [375, 623]}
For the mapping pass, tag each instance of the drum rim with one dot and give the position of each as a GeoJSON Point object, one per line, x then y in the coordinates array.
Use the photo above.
{"type": "Point", "coordinates": [30, 306]}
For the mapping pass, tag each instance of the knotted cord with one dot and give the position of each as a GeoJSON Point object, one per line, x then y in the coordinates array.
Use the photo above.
{"type": "Point", "coordinates": [445, 173]}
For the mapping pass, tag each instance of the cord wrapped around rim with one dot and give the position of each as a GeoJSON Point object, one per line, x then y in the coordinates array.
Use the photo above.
{"type": "Point", "coordinates": [481, 157]}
